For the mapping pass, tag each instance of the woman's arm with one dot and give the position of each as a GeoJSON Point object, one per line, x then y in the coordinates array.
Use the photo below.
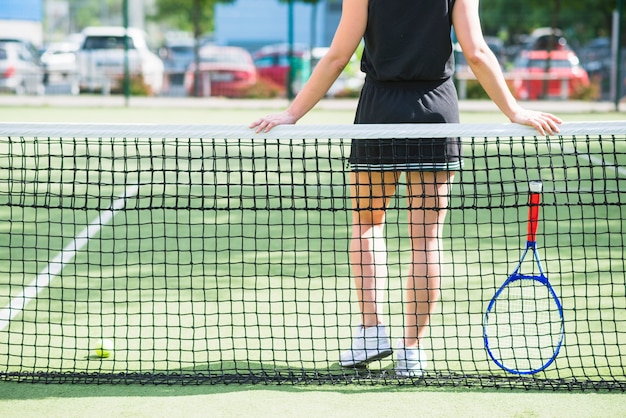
{"type": "Point", "coordinates": [484, 64]}
{"type": "Point", "coordinates": [347, 37]}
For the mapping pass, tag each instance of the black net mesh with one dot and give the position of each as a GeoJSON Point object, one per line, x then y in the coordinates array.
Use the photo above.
{"type": "Point", "coordinates": [223, 260]}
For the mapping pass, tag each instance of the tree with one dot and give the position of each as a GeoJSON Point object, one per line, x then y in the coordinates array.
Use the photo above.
{"type": "Point", "coordinates": [581, 20]}
{"type": "Point", "coordinates": [196, 16]}
{"type": "Point", "coordinates": [85, 13]}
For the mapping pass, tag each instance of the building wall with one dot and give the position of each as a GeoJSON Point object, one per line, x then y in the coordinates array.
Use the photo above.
{"type": "Point", "coordinates": [30, 10]}
{"type": "Point", "coordinates": [22, 19]}
{"type": "Point", "coordinates": [255, 23]}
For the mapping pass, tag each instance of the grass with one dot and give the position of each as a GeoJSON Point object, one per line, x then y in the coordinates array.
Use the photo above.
{"type": "Point", "coordinates": [158, 287]}
{"type": "Point", "coordinates": [52, 401]}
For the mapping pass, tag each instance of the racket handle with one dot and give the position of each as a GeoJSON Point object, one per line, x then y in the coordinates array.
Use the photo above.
{"type": "Point", "coordinates": [534, 201]}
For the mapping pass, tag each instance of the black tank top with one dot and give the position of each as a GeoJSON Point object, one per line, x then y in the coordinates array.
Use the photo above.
{"type": "Point", "coordinates": [408, 40]}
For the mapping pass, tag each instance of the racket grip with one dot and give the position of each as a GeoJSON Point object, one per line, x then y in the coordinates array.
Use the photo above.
{"type": "Point", "coordinates": [534, 201]}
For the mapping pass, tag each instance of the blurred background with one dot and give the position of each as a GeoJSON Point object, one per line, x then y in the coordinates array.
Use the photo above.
{"type": "Point", "coordinates": [548, 49]}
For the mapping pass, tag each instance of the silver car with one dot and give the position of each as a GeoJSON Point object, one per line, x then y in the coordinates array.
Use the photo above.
{"type": "Point", "coordinates": [101, 59]}
{"type": "Point", "coordinates": [20, 71]}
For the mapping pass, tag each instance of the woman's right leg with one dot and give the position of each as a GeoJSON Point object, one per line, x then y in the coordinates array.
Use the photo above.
{"type": "Point", "coordinates": [371, 193]}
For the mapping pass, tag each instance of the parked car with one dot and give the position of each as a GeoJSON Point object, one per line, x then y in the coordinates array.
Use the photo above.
{"type": "Point", "coordinates": [20, 71]}
{"type": "Point", "coordinates": [177, 55]}
{"type": "Point", "coordinates": [546, 39]}
{"type": "Point", "coordinates": [101, 59]}
{"type": "Point", "coordinates": [224, 71]}
{"type": "Point", "coordinates": [59, 61]}
{"type": "Point", "coordinates": [538, 39]}
{"type": "Point", "coordinates": [539, 73]}
{"type": "Point", "coordinates": [596, 57]}
{"type": "Point", "coordinates": [25, 43]}
{"type": "Point", "coordinates": [272, 63]}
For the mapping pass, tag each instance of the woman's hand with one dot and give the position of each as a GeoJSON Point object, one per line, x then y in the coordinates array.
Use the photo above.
{"type": "Point", "coordinates": [545, 123]}
{"type": "Point", "coordinates": [266, 123]}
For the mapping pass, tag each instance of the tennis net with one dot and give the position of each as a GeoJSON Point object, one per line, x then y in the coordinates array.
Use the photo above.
{"type": "Point", "coordinates": [211, 254]}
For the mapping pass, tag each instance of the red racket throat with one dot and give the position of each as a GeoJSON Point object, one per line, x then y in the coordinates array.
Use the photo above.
{"type": "Point", "coordinates": [534, 201]}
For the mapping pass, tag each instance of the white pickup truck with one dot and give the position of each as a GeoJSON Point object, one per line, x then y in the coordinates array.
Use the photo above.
{"type": "Point", "coordinates": [101, 57]}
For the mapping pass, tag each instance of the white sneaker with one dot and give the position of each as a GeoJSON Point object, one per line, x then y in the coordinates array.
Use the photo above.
{"type": "Point", "coordinates": [368, 344]}
{"type": "Point", "coordinates": [411, 362]}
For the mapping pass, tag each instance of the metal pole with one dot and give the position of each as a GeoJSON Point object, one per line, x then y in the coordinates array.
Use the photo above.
{"type": "Point", "coordinates": [290, 30]}
{"type": "Point", "coordinates": [196, 52]}
{"type": "Point", "coordinates": [618, 54]}
{"type": "Point", "coordinates": [126, 63]}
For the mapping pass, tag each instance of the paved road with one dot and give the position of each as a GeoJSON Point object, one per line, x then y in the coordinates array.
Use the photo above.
{"type": "Point", "coordinates": [555, 106]}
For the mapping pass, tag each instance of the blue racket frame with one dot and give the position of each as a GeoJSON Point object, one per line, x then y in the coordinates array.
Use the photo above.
{"type": "Point", "coordinates": [541, 278]}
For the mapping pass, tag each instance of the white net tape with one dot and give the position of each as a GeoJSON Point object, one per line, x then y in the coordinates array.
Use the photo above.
{"type": "Point", "coordinates": [464, 130]}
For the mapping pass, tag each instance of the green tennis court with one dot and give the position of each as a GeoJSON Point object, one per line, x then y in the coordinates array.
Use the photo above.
{"type": "Point", "coordinates": [225, 257]}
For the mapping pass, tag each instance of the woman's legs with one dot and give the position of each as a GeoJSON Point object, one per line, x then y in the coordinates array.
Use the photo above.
{"type": "Point", "coordinates": [428, 195]}
{"type": "Point", "coordinates": [371, 193]}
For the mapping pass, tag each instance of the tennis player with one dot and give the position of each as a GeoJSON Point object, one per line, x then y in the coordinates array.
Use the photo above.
{"type": "Point", "coordinates": [409, 64]}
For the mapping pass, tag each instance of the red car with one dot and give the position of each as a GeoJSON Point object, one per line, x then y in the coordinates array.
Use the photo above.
{"type": "Point", "coordinates": [272, 63]}
{"type": "Point", "coordinates": [535, 77]}
{"type": "Point", "coordinates": [224, 71]}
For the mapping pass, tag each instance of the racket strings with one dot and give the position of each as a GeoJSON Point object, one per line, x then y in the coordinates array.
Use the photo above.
{"type": "Point", "coordinates": [524, 326]}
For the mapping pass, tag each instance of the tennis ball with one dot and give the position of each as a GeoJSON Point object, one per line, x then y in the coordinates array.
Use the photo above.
{"type": "Point", "coordinates": [103, 348]}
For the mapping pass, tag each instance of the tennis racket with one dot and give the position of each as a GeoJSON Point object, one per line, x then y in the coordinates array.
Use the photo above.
{"type": "Point", "coordinates": [523, 326]}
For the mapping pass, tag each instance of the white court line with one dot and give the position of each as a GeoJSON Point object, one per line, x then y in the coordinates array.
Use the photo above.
{"type": "Point", "coordinates": [600, 162]}
{"type": "Point", "coordinates": [621, 171]}
{"type": "Point", "coordinates": [66, 255]}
